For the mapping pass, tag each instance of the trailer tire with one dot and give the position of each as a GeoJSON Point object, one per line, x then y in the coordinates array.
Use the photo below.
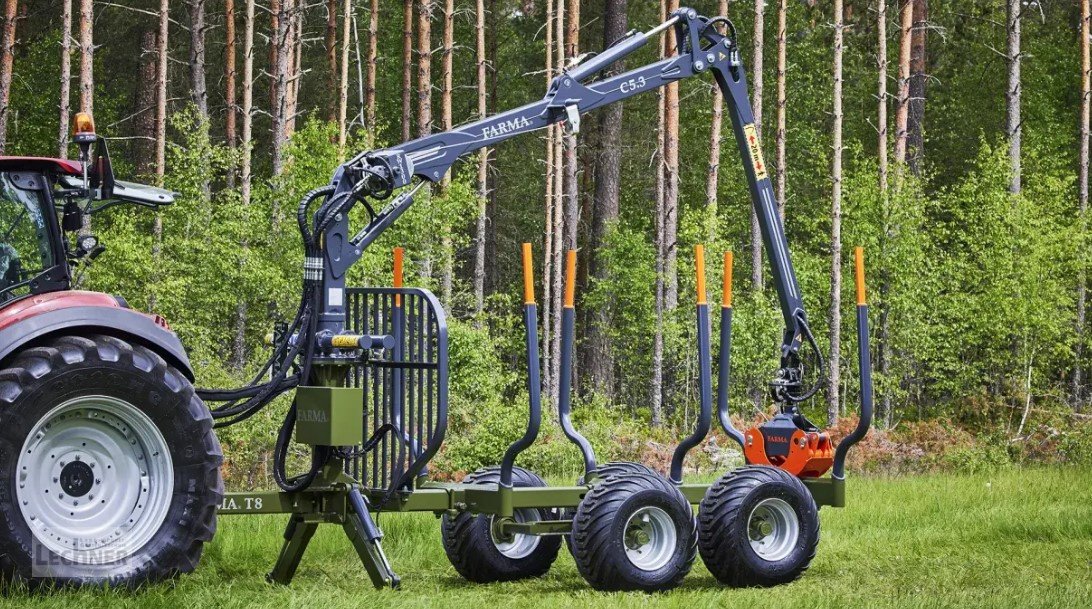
{"type": "Point", "coordinates": [613, 468]}
{"type": "Point", "coordinates": [758, 526]}
{"type": "Point", "coordinates": [634, 532]}
{"type": "Point", "coordinates": [480, 556]}
{"type": "Point", "coordinates": [137, 498]}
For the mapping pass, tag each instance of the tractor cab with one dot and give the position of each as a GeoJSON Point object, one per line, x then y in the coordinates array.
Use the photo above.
{"type": "Point", "coordinates": [43, 199]}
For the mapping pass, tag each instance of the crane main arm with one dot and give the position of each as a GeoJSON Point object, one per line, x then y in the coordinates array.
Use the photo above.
{"type": "Point", "coordinates": [378, 174]}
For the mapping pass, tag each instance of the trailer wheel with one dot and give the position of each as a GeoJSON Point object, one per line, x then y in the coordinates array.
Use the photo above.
{"type": "Point", "coordinates": [758, 526]}
{"type": "Point", "coordinates": [634, 532]}
{"type": "Point", "coordinates": [109, 468]}
{"type": "Point", "coordinates": [613, 468]}
{"type": "Point", "coordinates": [480, 553]}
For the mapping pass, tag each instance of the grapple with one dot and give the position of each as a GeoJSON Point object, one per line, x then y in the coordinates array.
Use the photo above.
{"type": "Point", "coordinates": [791, 443]}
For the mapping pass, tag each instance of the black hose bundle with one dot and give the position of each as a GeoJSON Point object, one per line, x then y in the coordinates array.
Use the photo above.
{"type": "Point", "coordinates": [296, 355]}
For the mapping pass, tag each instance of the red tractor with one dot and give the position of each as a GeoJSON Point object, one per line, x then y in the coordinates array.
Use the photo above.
{"type": "Point", "coordinates": [109, 464]}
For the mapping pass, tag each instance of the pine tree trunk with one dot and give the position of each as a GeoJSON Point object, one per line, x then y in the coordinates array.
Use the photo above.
{"type": "Point", "coordinates": [757, 278]}
{"type": "Point", "coordinates": [483, 163]}
{"type": "Point", "coordinates": [276, 9]}
{"type": "Point", "coordinates": [245, 176]}
{"type": "Point", "coordinates": [87, 56]}
{"type": "Point", "coordinates": [332, 71]}
{"type": "Point", "coordinates": [145, 105]}
{"type": "Point", "coordinates": [782, 65]}
{"type": "Point", "coordinates": [712, 182]}
{"type": "Point", "coordinates": [282, 19]}
{"type": "Point", "coordinates": [1082, 199]}
{"type": "Point", "coordinates": [424, 67]}
{"type": "Point", "coordinates": [343, 85]}
{"type": "Point", "coordinates": [66, 78]}
{"type": "Point", "coordinates": [447, 248]}
{"type": "Point", "coordinates": [915, 137]}
{"type": "Point", "coordinates": [198, 89]}
{"type": "Point", "coordinates": [598, 361]}
{"type": "Point", "coordinates": [902, 111]}
{"type": "Point", "coordinates": [834, 376]}
{"type": "Point", "coordinates": [247, 109]}
{"type": "Point", "coordinates": [7, 57]}
{"type": "Point", "coordinates": [407, 68]}
{"type": "Point", "coordinates": [373, 57]}
{"type": "Point", "coordinates": [230, 125]}
{"type": "Point", "coordinates": [1013, 121]}
{"type": "Point", "coordinates": [671, 177]}
{"type": "Point", "coordinates": [87, 76]}
{"type": "Point", "coordinates": [295, 67]}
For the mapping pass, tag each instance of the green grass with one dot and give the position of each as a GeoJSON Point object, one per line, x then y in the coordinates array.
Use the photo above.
{"type": "Point", "coordinates": [1018, 538]}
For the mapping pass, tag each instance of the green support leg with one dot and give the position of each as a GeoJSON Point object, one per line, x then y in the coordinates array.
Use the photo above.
{"type": "Point", "coordinates": [296, 537]}
{"type": "Point", "coordinates": [365, 535]}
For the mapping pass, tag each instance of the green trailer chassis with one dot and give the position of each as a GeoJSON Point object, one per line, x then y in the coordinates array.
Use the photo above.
{"type": "Point", "coordinates": [329, 502]}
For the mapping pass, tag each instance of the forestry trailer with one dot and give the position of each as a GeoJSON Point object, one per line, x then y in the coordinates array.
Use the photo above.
{"type": "Point", "coordinates": [110, 467]}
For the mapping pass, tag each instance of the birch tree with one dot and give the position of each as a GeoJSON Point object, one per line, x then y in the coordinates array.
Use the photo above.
{"type": "Point", "coordinates": [1013, 92]}
{"type": "Point", "coordinates": [671, 177]}
{"type": "Point", "coordinates": [447, 247]}
{"type": "Point", "coordinates": [712, 182]}
{"type": "Point", "coordinates": [834, 374]}
{"type": "Point", "coordinates": [483, 162]}
{"type": "Point", "coordinates": [759, 39]}
{"type": "Point", "coordinates": [1082, 198]}
{"type": "Point", "coordinates": [781, 170]}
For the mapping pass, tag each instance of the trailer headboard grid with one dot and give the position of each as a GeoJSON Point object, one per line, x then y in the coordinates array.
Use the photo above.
{"type": "Point", "coordinates": [405, 388]}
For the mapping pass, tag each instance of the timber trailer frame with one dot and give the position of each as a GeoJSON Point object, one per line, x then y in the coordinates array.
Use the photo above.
{"type": "Point", "coordinates": [369, 367]}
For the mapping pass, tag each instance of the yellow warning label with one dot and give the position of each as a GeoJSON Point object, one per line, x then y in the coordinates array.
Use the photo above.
{"type": "Point", "coordinates": [345, 342]}
{"type": "Point", "coordinates": [755, 149]}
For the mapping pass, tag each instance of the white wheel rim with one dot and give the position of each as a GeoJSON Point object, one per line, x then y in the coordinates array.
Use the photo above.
{"type": "Point", "coordinates": [95, 480]}
{"type": "Point", "coordinates": [773, 529]}
{"type": "Point", "coordinates": [515, 545]}
{"type": "Point", "coordinates": [650, 538]}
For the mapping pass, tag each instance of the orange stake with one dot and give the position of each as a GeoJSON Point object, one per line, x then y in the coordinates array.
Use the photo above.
{"type": "Point", "coordinates": [699, 264]}
{"type": "Point", "coordinates": [570, 278]}
{"type": "Point", "coordinates": [398, 255]}
{"type": "Point", "coordinates": [726, 298]}
{"type": "Point", "coordinates": [858, 255]}
{"type": "Point", "coordinates": [528, 275]}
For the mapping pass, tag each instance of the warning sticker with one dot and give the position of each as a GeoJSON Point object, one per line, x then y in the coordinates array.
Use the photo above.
{"type": "Point", "coordinates": [755, 148]}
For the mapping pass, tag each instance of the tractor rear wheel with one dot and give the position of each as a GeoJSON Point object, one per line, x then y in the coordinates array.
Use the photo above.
{"type": "Point", "coordinates": [483, 554]}
{"type": "Point", "coordinates": [758, 526]}
{"type": "Point", "coordinates": [109, 468]}
{"type": "Point", "coordinates": [634, 532]}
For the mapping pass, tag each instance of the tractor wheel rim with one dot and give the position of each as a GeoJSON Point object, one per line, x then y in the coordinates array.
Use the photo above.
{"type": "Point", "coordinates": [773, 528]}
{"type": "Point", "coordinates": [95, 480]}
{"type": "Point", "coordinates": [650, 538]}
{"type": "Point", "coordinates": [515, 545]}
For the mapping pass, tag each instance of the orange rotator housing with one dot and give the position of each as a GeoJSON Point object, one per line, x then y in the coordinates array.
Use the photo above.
{"type": "Point", "coordinates": [781, 443]}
